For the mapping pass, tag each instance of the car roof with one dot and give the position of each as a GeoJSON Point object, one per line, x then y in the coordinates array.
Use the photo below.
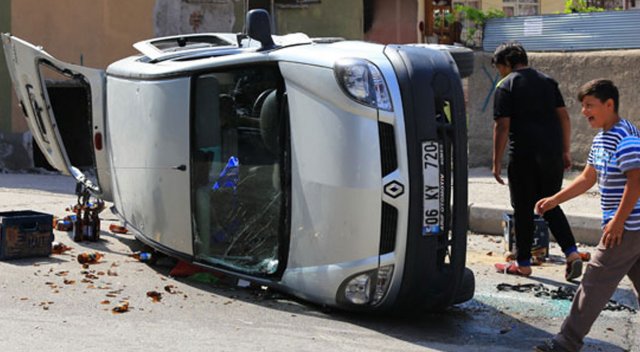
{"type": "Point", "coordinates": [174, 56]}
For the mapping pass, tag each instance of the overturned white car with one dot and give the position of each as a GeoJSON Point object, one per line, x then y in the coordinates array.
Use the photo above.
{"type": "Point", "coordinates": [335, 171]}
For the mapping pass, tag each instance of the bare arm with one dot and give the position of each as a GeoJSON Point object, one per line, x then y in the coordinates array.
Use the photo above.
{"type": "Point", "coordinates": [612, 234]}
{"type": "Point", "coordinates": [565, 124]}
{"type": "Point", "coordinates": [580, 184]}
{"type": "Point", "coordinates": [500, 138]}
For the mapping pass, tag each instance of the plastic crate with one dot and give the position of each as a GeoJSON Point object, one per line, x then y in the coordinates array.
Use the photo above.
{"type": "Point", "coordinates": [25, 233]}
{"type": "Point", "coordinates": [540, 245]}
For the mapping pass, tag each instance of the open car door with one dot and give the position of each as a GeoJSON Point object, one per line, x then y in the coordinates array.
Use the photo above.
{"type": "Point", "coordinates": [27, 66]}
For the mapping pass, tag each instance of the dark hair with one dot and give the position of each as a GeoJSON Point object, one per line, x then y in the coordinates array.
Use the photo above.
{"type": "Point", "coordinates": [602, 89]}
{"type": "Point", "coordinates": [510, 54]}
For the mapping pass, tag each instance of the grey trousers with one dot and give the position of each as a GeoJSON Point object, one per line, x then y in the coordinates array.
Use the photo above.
{"type": "Point", "coordinates": [602, 276]}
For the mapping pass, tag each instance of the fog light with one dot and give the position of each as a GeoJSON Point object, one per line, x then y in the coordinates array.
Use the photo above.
{"type": "Point", "coordinates": [382, 283]}
{"type": "Point", "coordinates": [358, 290]}
{"type": "Point", "coordinates": [369, 288]}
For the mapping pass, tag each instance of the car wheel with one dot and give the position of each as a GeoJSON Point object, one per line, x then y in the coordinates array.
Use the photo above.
{"type": "Point", "coordinates": [467, 287]}
{"type": "Point", "coordinates": [462, 56]}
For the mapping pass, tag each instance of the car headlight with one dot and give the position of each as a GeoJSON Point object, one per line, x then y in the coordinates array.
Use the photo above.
{"type": "Point", "coordinates": [363, 82]}
{"type": "Point", "coordinates": [368, 288]}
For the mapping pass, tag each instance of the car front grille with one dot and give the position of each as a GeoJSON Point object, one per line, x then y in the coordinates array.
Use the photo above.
{"type": "Point", "coordinates": [388, 156]}
{"type": "Point", "coordinates": [388, 228]}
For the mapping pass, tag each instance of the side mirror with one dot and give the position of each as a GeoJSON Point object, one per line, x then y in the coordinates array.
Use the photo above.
{"type": "Point", "coordinates": [258, 24]}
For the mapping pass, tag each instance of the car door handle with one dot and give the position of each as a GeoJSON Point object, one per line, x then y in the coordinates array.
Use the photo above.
{"type": "Point", "coordinates": [180, 167]}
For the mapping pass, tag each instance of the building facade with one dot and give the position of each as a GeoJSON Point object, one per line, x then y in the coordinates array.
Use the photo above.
{"type": "Point", "coordinates": [98, 32]}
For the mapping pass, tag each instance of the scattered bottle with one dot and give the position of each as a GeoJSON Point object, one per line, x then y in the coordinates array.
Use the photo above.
{"type": "Point", "coordinates": [77, 228]}
{"type": "Point", "coordinates": [121, 308]}
{"type": "Point", "coordinates": [155, 296]}
{"type": "Point", "coordinates": [59, 248]}
{"type": "Point", "coordinates": [64, 225]}
{"type": "Point", "coordinates": [142, 256]}
{"type": "Point", "coordinates": [90, 226]}
{"type": "Point", "coordinates": [118, 229]}
{"type": "Point", "coordinates": [89, 258]}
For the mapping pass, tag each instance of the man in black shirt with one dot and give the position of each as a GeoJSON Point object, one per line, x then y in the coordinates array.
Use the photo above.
{"type": "Point", "coordinates": [529, 112]}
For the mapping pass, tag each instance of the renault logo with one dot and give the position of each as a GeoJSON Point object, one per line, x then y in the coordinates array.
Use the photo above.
{"type": "Point", "coordinates": [394, 189]}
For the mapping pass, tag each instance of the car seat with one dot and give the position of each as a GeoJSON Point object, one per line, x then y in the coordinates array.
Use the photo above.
{"type": "Point", "coordinates": [270, 122]}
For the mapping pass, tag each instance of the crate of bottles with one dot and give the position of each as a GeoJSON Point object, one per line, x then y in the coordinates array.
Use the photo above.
{"type": "Point", "coordinates": [540, 245]}
{"type": "Point", "coordinates": [25, 233]}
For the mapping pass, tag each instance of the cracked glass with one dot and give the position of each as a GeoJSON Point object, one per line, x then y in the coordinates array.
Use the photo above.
{"type": "Point", "coordinates": [238, 194]}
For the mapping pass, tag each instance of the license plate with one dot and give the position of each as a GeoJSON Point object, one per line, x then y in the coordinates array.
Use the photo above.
{"type": "Point", "coordinates": [431, 212]}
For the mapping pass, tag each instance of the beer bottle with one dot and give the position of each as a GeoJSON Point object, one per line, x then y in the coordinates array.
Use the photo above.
{"type": "Point", "coordinates": [89, 258]}
{"type": "Point", "coordinates": [141, 256]}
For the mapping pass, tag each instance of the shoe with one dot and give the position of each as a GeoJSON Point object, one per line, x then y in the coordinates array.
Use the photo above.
{"type": "Point", "coordinates": [510, 268]}
{"type": "Point", "coordinates": [550, 346]}
{"type": "Point", "coordinates": [573, 270]}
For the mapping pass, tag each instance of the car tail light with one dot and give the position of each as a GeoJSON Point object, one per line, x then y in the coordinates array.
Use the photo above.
{"type": "Point", "coordinates": [97, 141]}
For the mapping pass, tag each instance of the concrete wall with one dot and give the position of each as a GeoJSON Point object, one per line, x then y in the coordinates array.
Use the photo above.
{"type": "Point", "coordinates": [551, 6]}
{"type": "Point", "coordinates": [5, 80]}
{"type": "Point", "coordinates": [394, 21]}
{"type": "Point", "coordinates": [173, 17]}
{"type": "Point", "coordinates": [96, 33]}
{"type": "Point", "coordinates": [546, 6]}
{"type": "Point", "coordinates": [571, 70]}
{"type": "Point", "coordinates": [92, 33]}
{"type": "Point", "coordinates": [491, 4]}
{"type": "Point", "coordinates": [330, 18]}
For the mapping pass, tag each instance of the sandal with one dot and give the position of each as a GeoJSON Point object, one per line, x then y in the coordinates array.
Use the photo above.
{"type": "Point", "coordinates": [510, 268]}
{"type": "Point", "coordinates": [585, 256]}
{"type": "Point", "coordinates": [573, 270]}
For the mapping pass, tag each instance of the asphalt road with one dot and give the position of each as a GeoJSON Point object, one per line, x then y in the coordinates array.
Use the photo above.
{"type": "Point", "coordinates": [53, 304]}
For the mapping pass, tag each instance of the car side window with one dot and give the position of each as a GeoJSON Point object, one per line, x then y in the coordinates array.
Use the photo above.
{"type": "Point", "coordinates": [237, 193]}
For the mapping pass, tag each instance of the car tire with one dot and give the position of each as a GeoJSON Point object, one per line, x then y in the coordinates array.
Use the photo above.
{"type": "Point", "coordinates": [467, 287]}
{"type": "Point", "coordinates": [462, 56]}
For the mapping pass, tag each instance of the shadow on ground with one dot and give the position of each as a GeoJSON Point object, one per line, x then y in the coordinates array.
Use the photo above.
{"type": "Point", "coordinates": [473, 326]}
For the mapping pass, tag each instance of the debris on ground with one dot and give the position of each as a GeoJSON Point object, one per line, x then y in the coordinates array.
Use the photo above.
{"type": "Point", "coordinates": [171, 289]}
{"type": "Point", "coordinates": [562, 292]}
{"type": "Point", "coordinates": [115, 228]}
{"type": "Point", "coordinates": [86, 221]}
{"type": "Point", "coordinates": [112, 271]}
{"type": "Point", "coordinates": [89, 258]}
{"type": "Point", "coordinates": [59, 248]}
{"type": "Point", "coordinates": [243, 283]}
{"type": "Point", "coordinates": [155, 296]}
{"type": "Point", "coordinates": [121, 308]}
{"type": "Point", "coordinates": [142, 256]}
{"type": "Point", "coordinates": [185, 269]}
{"type": "Point", "coordinates": [65, 224]}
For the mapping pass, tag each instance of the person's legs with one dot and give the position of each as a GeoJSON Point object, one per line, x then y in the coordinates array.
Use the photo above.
{"type": "Point", "coordinates": [634, 276]}
{"type": "Point", "coordinates": [522, 189]}
{"type": "Point", "coordinates": [550, 174]}
{"type": "Point", "coordinates": [603, 274]}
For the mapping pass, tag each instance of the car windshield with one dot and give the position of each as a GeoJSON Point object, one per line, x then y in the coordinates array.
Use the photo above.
{"type": "Point", "coordinates": [237, 184]}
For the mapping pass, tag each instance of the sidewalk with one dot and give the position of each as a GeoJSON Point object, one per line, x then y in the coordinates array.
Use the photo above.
{"type": "Point", "coordinates": [488, 200]}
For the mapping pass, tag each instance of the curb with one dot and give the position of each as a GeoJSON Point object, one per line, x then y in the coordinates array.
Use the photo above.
{"type": "Point", "coordinates": [487, 219]}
